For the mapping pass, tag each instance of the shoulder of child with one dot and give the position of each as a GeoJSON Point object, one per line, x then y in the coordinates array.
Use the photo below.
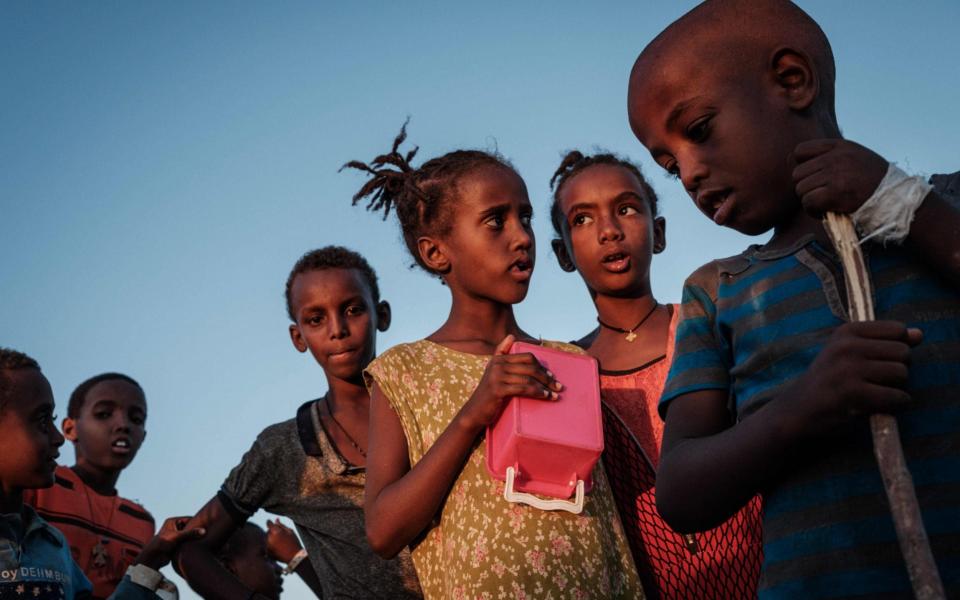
{"type": "Point", "coordinates": [404, 353]}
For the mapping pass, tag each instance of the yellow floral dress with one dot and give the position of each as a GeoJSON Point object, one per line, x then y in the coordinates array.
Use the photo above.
{"type": "Point", "coordinates": [484, 547]}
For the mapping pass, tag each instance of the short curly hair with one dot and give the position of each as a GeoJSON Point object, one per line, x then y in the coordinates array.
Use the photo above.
{"type": "Point", "coordinates": [79, 395]}
{"type": "Point", "coordinates": [575, 162]}
{"type": "Point", "coordinates": [12, 360]}
{"type": "Point", "coordinates": [331, 257]}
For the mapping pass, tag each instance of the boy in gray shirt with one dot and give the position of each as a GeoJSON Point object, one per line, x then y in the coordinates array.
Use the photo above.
{"type": "Point", "coordinates": [312, 468]}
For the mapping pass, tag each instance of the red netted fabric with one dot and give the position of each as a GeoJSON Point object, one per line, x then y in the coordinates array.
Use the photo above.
{"type": "Point", "coordinates": [723, 563]}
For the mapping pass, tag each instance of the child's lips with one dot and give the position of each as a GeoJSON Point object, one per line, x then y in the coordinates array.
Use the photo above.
{"type": "Point", "coordinates": [521, 270]}
{"type": "Point", "coordinates": [343, 354]}
{"type": "Point", "coordinates": [723, 208]}
{"type": "Point", "coordinates": [617, 262]}
{"type": "Point", "coordinates": [121, 446]}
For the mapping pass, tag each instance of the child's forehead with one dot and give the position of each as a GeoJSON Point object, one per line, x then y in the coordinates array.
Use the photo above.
{"type": "Point", "coordinates": [28, 391]}
{"type": "Point", "coordinates": [340, 282]}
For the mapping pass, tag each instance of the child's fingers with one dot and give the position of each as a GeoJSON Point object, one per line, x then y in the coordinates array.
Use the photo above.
{"type": "Point", "coordinates": [881, 330]}
{"type": "Point", "coordinates": [540, 389]}
{"type": "Point", "coordinates": [504, 346]}
{"type": "Point", "coordinates": [881, 398]}
{"type": "Point", "coordinates": [814, 148]}
{"type": "Point", "coordinates": [886, 373]}
{"type": "Point", "coordinates": [815, 180]}
{"type": "Point", "coordinates": [809, 168]}
{"type": "Point", "coordinates": [533, 371]}
{"type": "Point", "coordinates": [531, 389]}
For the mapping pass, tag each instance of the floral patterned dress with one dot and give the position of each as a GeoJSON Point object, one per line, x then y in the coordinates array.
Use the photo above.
{"type": "Point", "coordinates": [483, 547]}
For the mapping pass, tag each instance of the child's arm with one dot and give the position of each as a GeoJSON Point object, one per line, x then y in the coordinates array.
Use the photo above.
{"type": "Point", "coordinates": [197, 561]}
{"type": "Point", "coordinates": [861, 370]}
{"type": "Point", "coordinates": [400, 502]}
{"type": "Point", "coordinates": [156, 555]}
{"type": "Point", "coordinates": [283, 545]}
{"type": "Point", "coordinates": [838, 175]}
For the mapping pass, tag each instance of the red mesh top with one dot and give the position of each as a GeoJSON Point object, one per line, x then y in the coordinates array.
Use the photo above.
{"type": "Point", "coordinates": [721, 563]}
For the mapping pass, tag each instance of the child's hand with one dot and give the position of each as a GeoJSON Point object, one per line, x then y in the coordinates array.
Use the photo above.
{"type": "Point", "coordinates": [282, 542]}
{"type": "Point", "coordinates": [836, 175]}
{"type": "Point", "coordinates": [862, 370]}
{"type": "Point", "coordinates": [508, 375]}
{"type": "Point", "coordinates": [156, 554]}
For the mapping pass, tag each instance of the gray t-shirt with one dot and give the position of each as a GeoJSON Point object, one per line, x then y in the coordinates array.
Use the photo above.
{"type": "Point", "coordinates": [293, 470]}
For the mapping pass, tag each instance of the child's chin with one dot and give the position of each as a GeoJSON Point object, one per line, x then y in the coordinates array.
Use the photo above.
{"type": "Point", "coordinates": [43, 481]}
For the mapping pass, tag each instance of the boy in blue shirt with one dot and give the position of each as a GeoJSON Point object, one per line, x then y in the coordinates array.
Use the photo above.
{"type": "Point", "coordinates": [35, 560]}
{"type": "Point", "coordinates": [771, 385]}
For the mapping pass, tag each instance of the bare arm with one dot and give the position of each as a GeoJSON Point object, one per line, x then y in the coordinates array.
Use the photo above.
{"type": "Point", "coordinates": [861, 370]}
{"type": "Point", "coordinates": [282, 545]}
{"type": "Point", "coordinates": [197, 561]}
{"type": "Point", "coordinates": [400, 502]}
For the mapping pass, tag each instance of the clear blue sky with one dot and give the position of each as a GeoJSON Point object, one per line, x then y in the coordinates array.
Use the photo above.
{"type": "Point", "coordinates": [163, 164]}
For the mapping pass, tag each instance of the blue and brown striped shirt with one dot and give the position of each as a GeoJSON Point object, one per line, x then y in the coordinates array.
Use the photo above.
{"type": "Point", "coordinates": [753, 323]}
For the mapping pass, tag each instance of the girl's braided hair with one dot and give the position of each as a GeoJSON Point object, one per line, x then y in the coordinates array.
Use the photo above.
{"type": "Point", "coordinates": [575, 162]}
{"type": "Point", "coordinates": [421, 196]}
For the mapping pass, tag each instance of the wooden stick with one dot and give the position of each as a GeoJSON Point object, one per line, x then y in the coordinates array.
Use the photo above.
{"type": "Point", "coordinates": [886, 437]}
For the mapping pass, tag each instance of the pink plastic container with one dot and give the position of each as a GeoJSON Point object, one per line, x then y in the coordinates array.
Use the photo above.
{"type": "Point", "coordinates": [550, 447]}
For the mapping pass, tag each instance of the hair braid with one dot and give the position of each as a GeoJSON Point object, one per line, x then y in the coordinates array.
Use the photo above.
{"type": "Point", "coordinates": [420, 195]}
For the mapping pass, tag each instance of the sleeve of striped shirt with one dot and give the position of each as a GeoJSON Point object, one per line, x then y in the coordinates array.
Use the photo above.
{"type": "Point", "coordinates": [700, 361]}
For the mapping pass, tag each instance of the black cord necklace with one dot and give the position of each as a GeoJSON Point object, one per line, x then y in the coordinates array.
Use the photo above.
{"type": "Point", "coordinates": [350, 439]}
{"type": "Point", "coordinates": [631, 335]}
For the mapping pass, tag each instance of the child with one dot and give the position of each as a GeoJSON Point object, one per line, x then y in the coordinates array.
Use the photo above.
{"type": "Point", "coordinates": [312, 468]}
{"type": "Point", "coordinates": [605, 214]}
{"type": "Point", "coordinates": [465, 218]}
{"type": "Point", "coordinates": [770, 387]}
{"type": "Point", "coordinates": [35, 559]}
{"type": "Point", "coordinates": [245, 554]}
{"type": "Point", "coordinates": [105, 421]}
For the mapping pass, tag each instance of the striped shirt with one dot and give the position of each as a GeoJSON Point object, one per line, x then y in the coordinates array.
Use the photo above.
{"type": "Point", "coordinates": [750, 325]}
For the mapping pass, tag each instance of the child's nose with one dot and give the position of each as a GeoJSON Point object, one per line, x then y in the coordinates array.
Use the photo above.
{"type": "Point", "coordinates": [56, 438]}
{"type": "Point", "coordinates": [693, 171]}
{"type": "Point", "coordinates": [338, 327]}
{"type": "Point", "coordinates": [609, 230]}
{"type": "Point", "coordinates": [522, 238]}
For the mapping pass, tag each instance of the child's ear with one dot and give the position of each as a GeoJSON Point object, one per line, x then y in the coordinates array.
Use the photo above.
{"type": "Point", "coordinates": [383, 316]}
{"type": "Point", "coordinates": [659, 235]}
{"type": "Point", "coordinates": [796, 77]}
{"type": "Point", "coordinates": [297, 338]}
{"type": "Point", "coordinates": [432, 255]}
{"type": "Point", "coordinates": [69, 427]}
{"type": "Point", "coordinates": [563, 256]}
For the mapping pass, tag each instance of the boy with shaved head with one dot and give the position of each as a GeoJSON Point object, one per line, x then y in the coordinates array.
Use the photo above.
{"type": "Point", "coordinates": [771, 386]}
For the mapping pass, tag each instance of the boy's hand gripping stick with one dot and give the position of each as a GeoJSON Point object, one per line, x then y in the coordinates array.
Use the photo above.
{"type": "Point", "coordinates": [886, 436]}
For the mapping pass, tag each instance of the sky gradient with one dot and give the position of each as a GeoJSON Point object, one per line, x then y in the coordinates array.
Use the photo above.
{"type": "Point", "coordinates": [164, 164]}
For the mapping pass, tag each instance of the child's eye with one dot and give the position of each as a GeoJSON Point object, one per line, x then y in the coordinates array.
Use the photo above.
{"type": "Point", "coordinates": [581, 219]}
{"type": "Point", "coordinates": [102, 414]}
{"type": "Point", "coordinates": [355, 310]}
{"type": "Point", "coordinates": [627, 210]}
{"type": "Point", "coordinates": [526, 220]}
{"type": "Point", "coordinates": [494, 222]}
{"type": "Point", "coordinates": [699, 130]}
{"type": "Point", "coordinates": [672, 169]}
{"type": "Point", "coordinates": [315, 320]}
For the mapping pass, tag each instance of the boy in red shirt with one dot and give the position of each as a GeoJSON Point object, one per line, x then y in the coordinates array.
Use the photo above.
{"type": "Point", "coordinates": [105, 421]}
